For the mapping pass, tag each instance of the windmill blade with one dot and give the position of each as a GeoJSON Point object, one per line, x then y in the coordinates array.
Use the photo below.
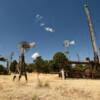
{"type": "Point", "coordinates": [32, 45]}
{"type": "Point", "coordinates": [66, 43]}
{"type": "Point", "coordinates": [72, 42]}
{"type": "Point", "coordinates": [24, 46]}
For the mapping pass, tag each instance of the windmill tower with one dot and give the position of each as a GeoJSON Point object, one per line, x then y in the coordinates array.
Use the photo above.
{"type": "Point", "coordinates": [24, 47]}
{"type": "Point", "coordinates": [91, 29]}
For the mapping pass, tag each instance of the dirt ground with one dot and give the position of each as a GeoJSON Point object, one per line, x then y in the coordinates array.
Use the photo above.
{"type": "Point", "coordinates": [50, 87]}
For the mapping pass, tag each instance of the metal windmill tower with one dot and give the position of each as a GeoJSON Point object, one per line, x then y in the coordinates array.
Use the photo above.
{"type": "Point", "coordinates": [91, 29]}
{"type": "Point", "coordinates": [24, 47]}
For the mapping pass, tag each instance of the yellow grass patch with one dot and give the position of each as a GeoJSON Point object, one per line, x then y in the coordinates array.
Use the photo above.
{"type": "Point", "coordinates": [57, 89]}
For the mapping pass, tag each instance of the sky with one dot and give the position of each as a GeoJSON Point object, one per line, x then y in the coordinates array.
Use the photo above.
{"type": "Point", "coordinates": [48, 23]}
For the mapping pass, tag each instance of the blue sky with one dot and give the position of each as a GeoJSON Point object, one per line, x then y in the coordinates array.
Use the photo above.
{"type": "Point", "coordinates": [18, 22]}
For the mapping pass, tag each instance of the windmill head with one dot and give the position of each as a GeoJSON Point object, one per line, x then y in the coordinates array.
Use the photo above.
{"type": "Point", "coordinates": [68, 43]}
{"type": "Point", "coordinates": [26, 45]}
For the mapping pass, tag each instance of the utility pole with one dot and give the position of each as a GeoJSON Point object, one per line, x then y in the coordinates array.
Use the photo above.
{"type": "Point", "coordinates": [10, 61]}
{"type": "Point", "coordinates": [78, 56]}
{"type": "Point", "coordinates": [91, 29]}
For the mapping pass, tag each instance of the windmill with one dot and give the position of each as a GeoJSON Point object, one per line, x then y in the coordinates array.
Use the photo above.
{"type": "Point", "coordinates": [24, 47]}
{"type": "Point", "coordinates": [67, 44]}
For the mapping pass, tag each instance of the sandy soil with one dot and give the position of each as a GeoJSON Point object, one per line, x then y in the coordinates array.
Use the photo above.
{"type": "Point", "coordinates": [50, 88]}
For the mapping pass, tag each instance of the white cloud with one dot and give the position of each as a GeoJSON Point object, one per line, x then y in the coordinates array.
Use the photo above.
{"type": "Point", "coordinates": [49, 29]}
{"type": "Point", "coordinates": [39, 17]}
{"type": "Point", "coordinates": [35, 56]}
{"type": "Point", "coordinates": [42, 24]}
{"type": "Point", "coordinates": [72, 42]}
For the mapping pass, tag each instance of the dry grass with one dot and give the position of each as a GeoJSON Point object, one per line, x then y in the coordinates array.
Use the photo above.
{"type": "Point", "coordinates": [42, 84]}
{"type": "Point", "coordinates": [53, 88]}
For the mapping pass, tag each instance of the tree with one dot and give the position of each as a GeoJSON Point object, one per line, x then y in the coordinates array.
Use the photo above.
{"type": "Point", "coordinates": [59, 58]}
{"type": "Point", "coordinates": [31, 68]}
{"type": "Point", "coordinates": [13, 66]}
{"type": "Point", "coordinates": [46, 66]}
{"type": "Point", "coordinates": [39, 63]}
{"type": "Point", "coordinates": [52, 67]}
{"type": "Point", "coordinates": [3, 70]}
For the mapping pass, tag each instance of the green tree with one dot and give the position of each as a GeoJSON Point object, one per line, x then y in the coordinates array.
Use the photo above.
{"type": "Point", "coordinates": [59, 58]}
{"type": "Point", "coordinates": [3, 70]}
{"type": "Point", "coordinates": [13, 66]}
{"type": "Point", "coordinates": [51, 66]}
{"type": "Point", "coordinates": [31, 68]}
{"type": "Point", "coordinates": [46, 66]}
{"type": "Point", "coordinates": [39, 63]}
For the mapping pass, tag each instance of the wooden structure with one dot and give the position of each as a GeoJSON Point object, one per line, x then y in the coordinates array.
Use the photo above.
{"type": "Point", "coordinates": [94, 70]}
